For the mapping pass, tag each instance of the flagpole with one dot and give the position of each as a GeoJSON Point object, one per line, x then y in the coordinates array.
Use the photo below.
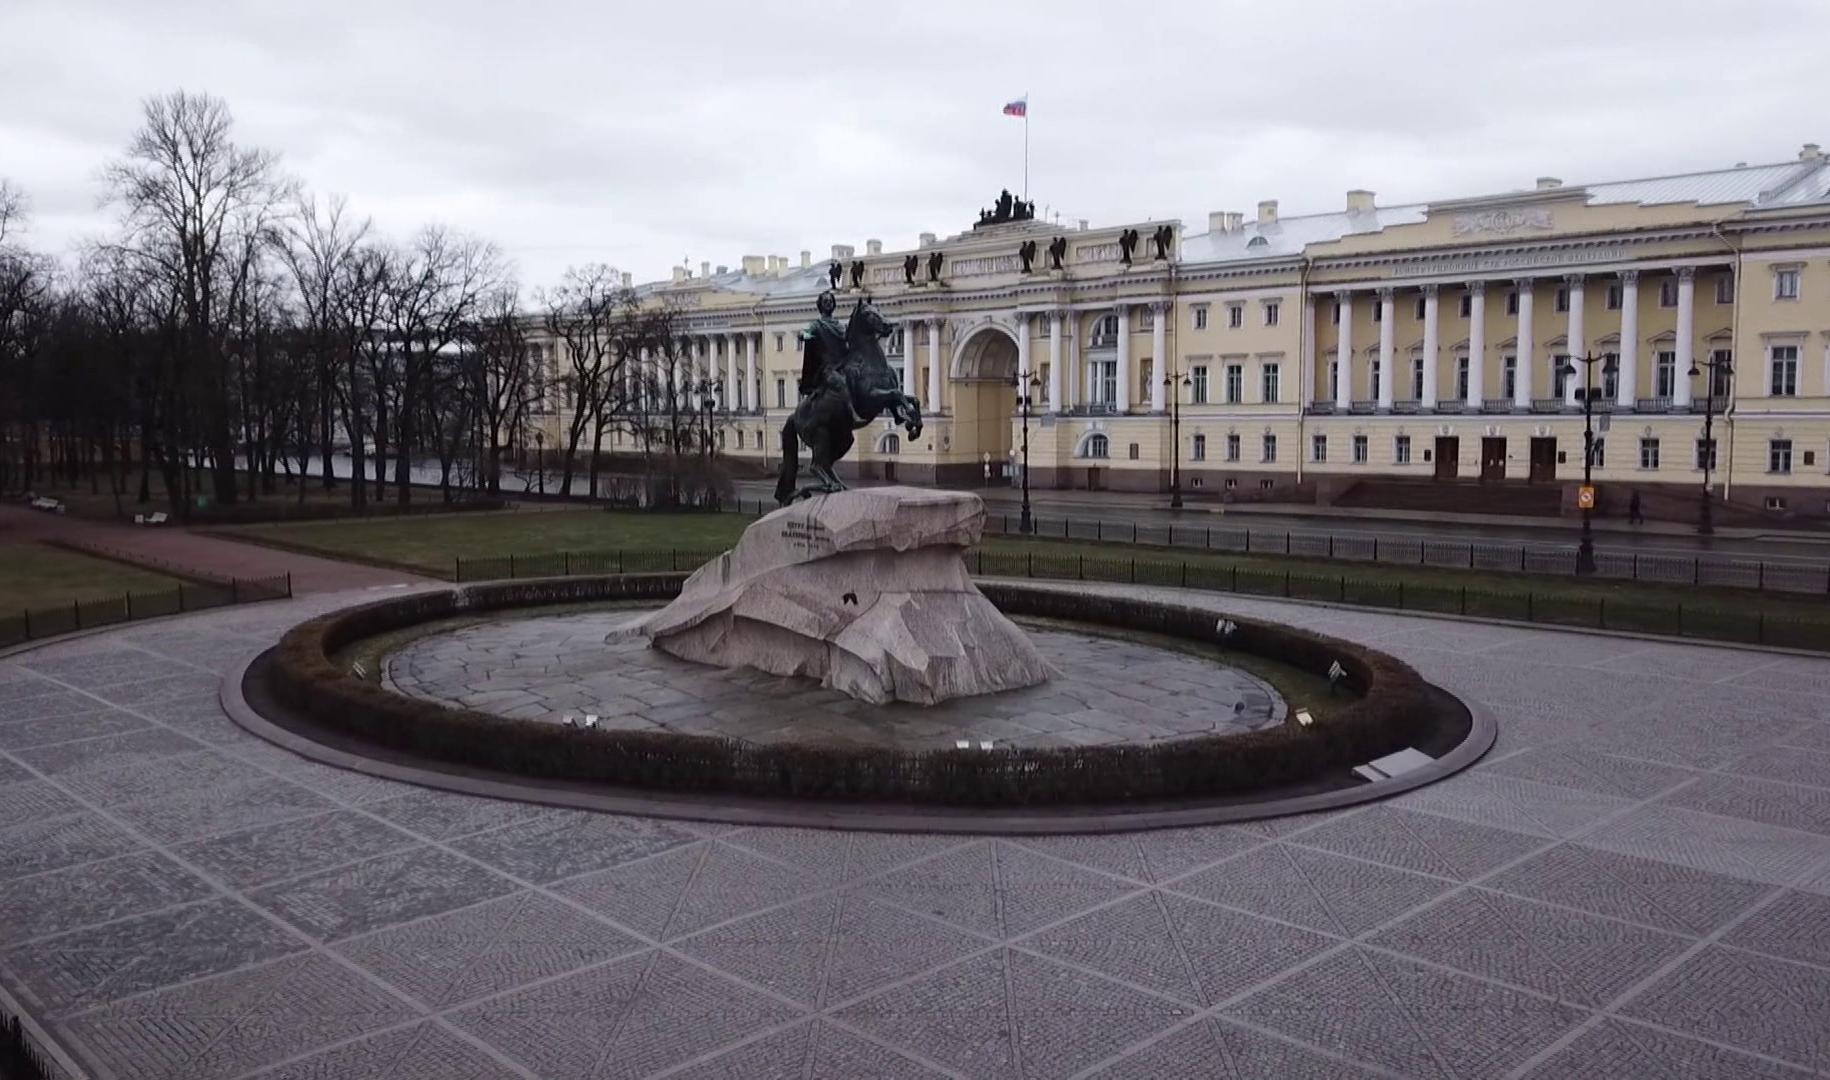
{"type": "Point", "coordinates": [1026, 145]}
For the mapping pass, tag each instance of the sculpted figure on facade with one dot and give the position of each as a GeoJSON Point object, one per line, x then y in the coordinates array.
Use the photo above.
{"type": "Point", "coordinates": [1127, 244]}
{"type": "Point", "coordinates": [911, 264]}
{"type": "Point", "coordinates": [934, 261]}
{"type": "Point", "coordinates": [1057, 252]}
{"type": "Point", "coordinates": [834, 272]}
{"type": "Point", "coordinates": [1027, 252]}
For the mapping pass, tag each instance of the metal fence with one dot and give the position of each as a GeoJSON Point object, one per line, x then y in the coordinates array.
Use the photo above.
{"type": "Point", "coordinates": [1776, 575]}
{"type": "Point", "coordinates": [1673, 617]}
{"type": "Point", "coordinates": [35, 623]}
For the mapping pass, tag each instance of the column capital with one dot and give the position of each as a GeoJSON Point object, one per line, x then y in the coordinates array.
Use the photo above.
{"type": "Point", "coordinates": [1385, 293]}
{"type": "Point", "coordinates": [1161, 306]}
{"type": "Point", "coordinates": [1573, 279]}
{"type": "Point", "coordinates": [1430, 289]}
{"type": "Point", "coordinates": [1122, 309]}
{"type": "Point", "coordinates": [1629, 277]}
{"type": "Point", "coordinates": [1524, 282]}
{"type": "Point", "coordinates": [1477, 287]}
{"type": "Point", "coordinates": [1687, 273]}
{"type": "Point", "coordinates": [1343, 296]}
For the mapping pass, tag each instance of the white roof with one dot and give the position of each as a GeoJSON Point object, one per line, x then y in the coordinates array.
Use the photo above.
{"type": "Point", "coordinates": [1790, 183]}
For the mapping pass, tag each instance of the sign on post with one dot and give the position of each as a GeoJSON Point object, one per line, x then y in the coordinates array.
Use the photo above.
{"type": "Point", "coordinates": [1585, 497]}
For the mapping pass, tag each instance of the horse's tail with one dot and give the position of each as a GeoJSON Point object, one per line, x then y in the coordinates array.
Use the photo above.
{"type": "Point", "coordinates": [791, 463]}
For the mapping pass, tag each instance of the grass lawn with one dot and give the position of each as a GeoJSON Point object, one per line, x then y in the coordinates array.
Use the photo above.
{"type": "Point", "coordinates": [34, 576]}
{"type": "Point", "coordinates": [434, 543]}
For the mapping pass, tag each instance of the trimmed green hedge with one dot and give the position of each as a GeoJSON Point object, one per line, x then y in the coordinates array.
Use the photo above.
{"type": "Point", "coordinates": [1393, 708]}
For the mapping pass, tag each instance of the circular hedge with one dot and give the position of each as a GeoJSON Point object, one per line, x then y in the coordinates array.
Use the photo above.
{"type": "Point", "coordinates": [1392, 708]}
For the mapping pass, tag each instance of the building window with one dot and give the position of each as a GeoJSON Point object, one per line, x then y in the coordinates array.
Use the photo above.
{"type": "Point", "coordinates": [1509, 376]}
{"type": "Point", "coordinates": [1775, 502]}
{"type": "Point", "coordinates": [1107, 388]}
{"type": "Point", "coordinates": [1359, 449]}
{"type": "Point", "coordinates": [1379, 311]}
{"type": "Point", "coordinates": [1560, 375]}
{"type": "Point", "coordinates": [1372, 378]}
{"type": "Point", "coordinates": [1235, 383]}
{"type": "Point", "coordinates": [1147, 321]}
{"type": "Point", "coordinates": [1401, 449]}
{"type": "Point", "coordinates": [1197, 449]}
{"type": "Point", "coordinates": [1598, 456]}
{"type": "Point", "coordinates": [1782, 361]}
{"type": "Point", "coordinates": [1664, 380]}
{"type": "Point", "coordinates": [1461, 378]}
{"type": "Point", "coordinates": [1779, 456]}
{"type": "Point", "coordinates": [1725, 289]}
{"type": "Point", "coordinates": [1271, 308]}
{"type": "Point", "coordinates": [1706, 454]}
{"type": "Point", "coordinates": [1667, 292]}
{"type": "Point", "coordinates": [1131, 451]}
{"type": "Point", "coordinates": [1200, 316]}
{"type": "Point", "coordinates": [1334, 379]}
{"type": "Point", "coordinates": [1722, 374]}
{"type": "Point", "coordinates": [1417, 378]}
{"type": "Point", "coordinates": [1200, 387]}
{"type": "Point", "coordinates": [781, 393]}
{"type": "Point", "coordinates": [1785, 284]}
{"type": "Point", "coordinates": [1421, 305]}
{"type": "Point", "coordinates": [778, 343]}
{"type": "Point", "coordinates": [1097, 446]}
{"type": "Point", "coordinates": [1614, 297]}
{"type": "Point", "coordinates": [1270, 448]}
{"type": "Point", "coordinates": [1232, 448]}
{"type": "Point", "coordinates": [1271, 377]}
{"type": "Point", "coordinates": [1610, 375]}
{"type": "Point", "coordinates": [740, 438]}
{"type": "Point", "coordinates": [1562, 298]}
{"type": "Point", "coordinates": [1648, 453]}
{"type": "Point", "coordinates": [1235, 316]}
{"type": "Point", "coordinates": [799, 345]}
{"type": "Point", "coordinates": [1512, 302]}
{"type": "Point", "coordinates": [1336, 316]}
{"type": "Point", "coordinates": [1318, 448]}
{"type": "Point", "coordinates": [1467, 304]}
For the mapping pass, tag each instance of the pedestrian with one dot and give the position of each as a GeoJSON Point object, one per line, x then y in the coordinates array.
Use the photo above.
{"type": "Point", "coordinates": [1634, 517]}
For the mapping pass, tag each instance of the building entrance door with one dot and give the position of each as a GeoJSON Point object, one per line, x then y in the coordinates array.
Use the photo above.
{"type": "Point", "coordinates": [1543, 458]}
{"type": "Point", "coordinates": [1448, 456]}
{"type": "Point", "coordinates": [889, 472]}
{"type": "Point", "coordinates": [1493, 459]}
{"type": "Point", "coordinates": [1095, 482]}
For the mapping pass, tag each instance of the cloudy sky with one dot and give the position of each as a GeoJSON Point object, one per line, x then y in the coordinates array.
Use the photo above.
{"type": "Point", "coordinates": [638, 134]}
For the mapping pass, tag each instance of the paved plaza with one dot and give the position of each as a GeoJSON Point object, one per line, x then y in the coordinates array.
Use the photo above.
{"type": "Point", "coordinates": [1634, 882]}
{"type": "Point", "coordinates": [1105, 690]}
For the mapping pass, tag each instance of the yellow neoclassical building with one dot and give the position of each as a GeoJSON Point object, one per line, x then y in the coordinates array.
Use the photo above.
{"type": "Point", "coordinates": [1366, 347]}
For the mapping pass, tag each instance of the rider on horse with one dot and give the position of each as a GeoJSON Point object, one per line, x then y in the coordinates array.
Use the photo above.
{"type": "Point", "coordinates": [823, 343]}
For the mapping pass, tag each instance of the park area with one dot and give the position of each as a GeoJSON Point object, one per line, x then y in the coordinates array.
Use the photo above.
{"type": "Point", "coordinates": [39, 576]}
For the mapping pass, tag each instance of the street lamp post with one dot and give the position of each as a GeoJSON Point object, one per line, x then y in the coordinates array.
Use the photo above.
{"type": "Point", "coordinates": [1175, 385]}
{"type": "Point", "coordinates": [1025, 392]}
{"type": "Point", "coordinates": [540, 457]}
{"type": "Point", "coordinates": [1717, 367]}
{"type": "Point", "coordinates": [1585, 552]}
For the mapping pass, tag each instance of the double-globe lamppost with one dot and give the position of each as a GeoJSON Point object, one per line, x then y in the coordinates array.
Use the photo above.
{"type": "Point", "coordinates": [1176, 383]}
{"type": "Point", "coordinates": [1718, 367]}
{"type": "Point", "coordinates": [1026, 390]}
{"type": "Point", "coordinates": [1585, 552]}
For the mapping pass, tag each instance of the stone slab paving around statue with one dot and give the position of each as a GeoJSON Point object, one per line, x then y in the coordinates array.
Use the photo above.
{"type": "Point", "coordinates": [546, 668]}
{"type": "Point", "coordinates": [1636, 881]}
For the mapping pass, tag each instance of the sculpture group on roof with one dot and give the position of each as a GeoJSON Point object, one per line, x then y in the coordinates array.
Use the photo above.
{"type": "Point", "coordinates": [1007, 209]}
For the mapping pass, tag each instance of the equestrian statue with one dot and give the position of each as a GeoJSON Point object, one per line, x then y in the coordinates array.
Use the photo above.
{"type": "Point", "coordinates": [845, 384]}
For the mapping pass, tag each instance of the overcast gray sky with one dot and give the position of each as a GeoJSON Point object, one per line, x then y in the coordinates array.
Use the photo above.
{"type": "Point", "coordinates": [572, 131]}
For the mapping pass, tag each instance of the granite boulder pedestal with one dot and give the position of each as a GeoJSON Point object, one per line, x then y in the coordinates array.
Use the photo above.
{"type": "Point", "coordinates": [865, 591]}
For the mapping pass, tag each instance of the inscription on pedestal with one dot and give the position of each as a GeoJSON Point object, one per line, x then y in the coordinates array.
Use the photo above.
{"type": "Point", "coordinates": [810, 537]}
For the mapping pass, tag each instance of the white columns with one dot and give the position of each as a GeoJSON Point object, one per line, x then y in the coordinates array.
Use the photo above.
{"type": "Point", "coordinates": [1387, 373]}
{"type": "Point", "coordinates": [1477, 346]}
{"type": "Point", "coordinates": [752, 389]}
{"type": "Point", "coordinates": [933, 404]}
{"type": "Point", "coordinates": [1343, 356]}
{"type": "Point", "coordinates": [1686, 335]}
{"type": "Point", "coordinates": [1430, 344]}
{"type": "Point", "coordinates": [733, 374]}
{"type": "Point", "coordinates": [1577, 342]}
{"type": "Point", "coordinates": [1159, 360]}
{"type": "Point", "coordinates": [1054, 361]}
{"type": "Point", "coordinates": [1121, 398]}
{"type": "Point", "coordinates": [1306, 361]}
{"type": "Point", "coordinates": [911, 352]}
{"type": "Point", "coordinates": [1521, 387]}
{"type": "Point", "coordinates": [1022, 354]}
{"type": "Point", "coordinates": [1627, 395]}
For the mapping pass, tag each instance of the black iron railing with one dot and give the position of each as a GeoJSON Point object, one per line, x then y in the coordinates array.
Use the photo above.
{"type": "Point", "coordinates": [43, 622]}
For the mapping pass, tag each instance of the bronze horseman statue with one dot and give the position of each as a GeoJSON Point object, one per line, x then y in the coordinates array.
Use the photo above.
{"type": "Point", "coordinates": [845, 384]}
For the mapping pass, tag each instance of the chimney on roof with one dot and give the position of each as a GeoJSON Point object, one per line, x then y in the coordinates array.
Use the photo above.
{"type": "Point", "coordinates": [1547, 183]}
{"type": "Point", "coordinates": [928, 239]}
{"type": "Point", "coordinates": [1083, 224]}
{"type": "Point", "coordinates": [873, 247]}
{"type": "Point", "coordinates": [1267, 212]}
{"type": "Point", "coordinates": [1359, 201]}
{"type": "Point", "coordinates": [754, 265]}
{"type": "Point", "coordinates": [723, 268]}
{"type": "Point", "coordinates": [806, 259]}
{"type": "Point", "coordinates": [1225, 221]}
{"type": "Point", "coordinates": [1811, 152]}
{"type": "Point", "coordinates": [705, 268]}
{"type": "Point", "coordinates": [626, 279]}
{"type": "Point", "coordinates": [842, 251]}
{"type": "Point", "coordinates": [681, 273]}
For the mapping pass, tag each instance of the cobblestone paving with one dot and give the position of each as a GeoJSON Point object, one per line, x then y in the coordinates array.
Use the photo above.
{"type": "Point", "coordinates": [1105, 691]}
{"type": "Point", "coordinates": [1635, 882]}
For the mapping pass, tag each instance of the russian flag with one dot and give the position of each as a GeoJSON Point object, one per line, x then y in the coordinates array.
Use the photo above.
{"type": "Point", "coordinates": [1019, 107]}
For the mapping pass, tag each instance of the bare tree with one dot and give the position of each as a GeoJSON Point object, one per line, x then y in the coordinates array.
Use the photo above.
{"type": "Point", "coordinates": [498, 376]}
{"type": "Point", "coordinates": [581, 315]}
{"type": "Point", "coordinates": [318, 248]}
{"type": "Point", "coordinates": [26, 303]}
{"type": "Point", "coordinates": [197, 211]}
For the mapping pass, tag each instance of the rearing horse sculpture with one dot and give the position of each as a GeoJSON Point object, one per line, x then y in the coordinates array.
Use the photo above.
{"type": "Point", "coordinates": [856, 389]}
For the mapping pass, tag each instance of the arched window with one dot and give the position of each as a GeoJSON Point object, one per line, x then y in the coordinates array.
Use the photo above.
{"type": "Point", "coordinates": [1097, 446]}
{"type": "Point", "coordinates": [1107, 328]}
{"type": "Point", "coordinates": [1257, 242]}
{"type": "Point", "coordinates": [891, 444]}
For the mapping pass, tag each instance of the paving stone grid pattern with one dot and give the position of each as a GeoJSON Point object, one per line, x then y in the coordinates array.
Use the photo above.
{"type": "Point", "coordinates": [1105, 690]}
{"type": "Point", "coordinates": [1635, 882]}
